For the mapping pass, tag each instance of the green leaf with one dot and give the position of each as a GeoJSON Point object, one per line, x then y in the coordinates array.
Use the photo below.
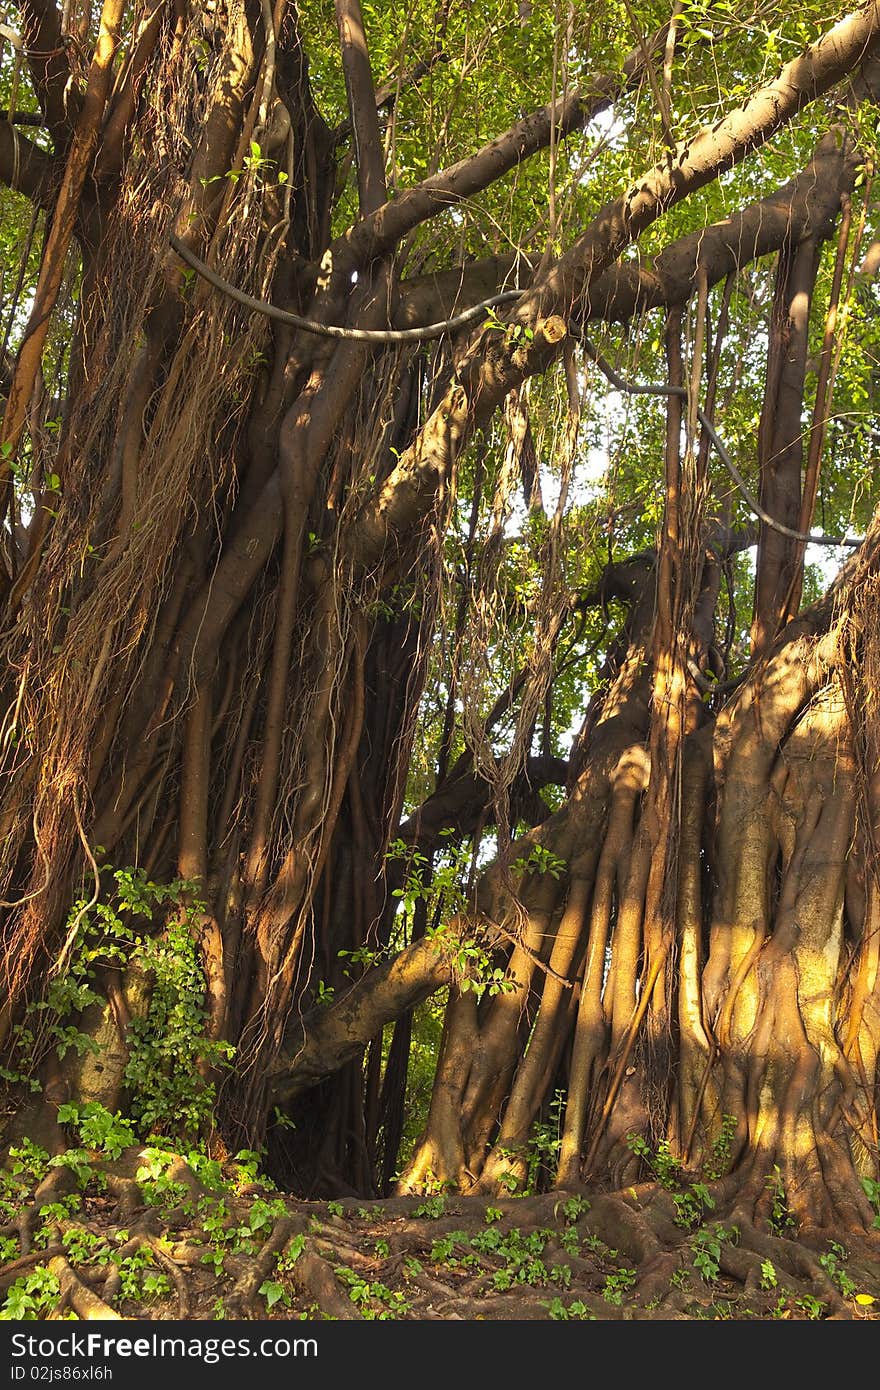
{"type": "Point", "coordinates": [272, 1291]}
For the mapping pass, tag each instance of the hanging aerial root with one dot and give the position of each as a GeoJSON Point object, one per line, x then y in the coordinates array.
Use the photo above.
{"type": "Point", "coordinates": [131, 445]}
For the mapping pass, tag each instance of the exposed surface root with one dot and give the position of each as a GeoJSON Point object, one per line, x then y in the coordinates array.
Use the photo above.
{"type": "Point", "coordinates": [242, 1302]}
{"type": "Point", "coordinates": [54, 1187]}
{"type": "Point", "coordinates": [75, 1294]}
{"type": "Point", "coordinates": [129, 1248]}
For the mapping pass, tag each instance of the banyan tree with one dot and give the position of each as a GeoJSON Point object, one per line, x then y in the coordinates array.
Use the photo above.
{"type": "Point", "coordinates": [441, 591]}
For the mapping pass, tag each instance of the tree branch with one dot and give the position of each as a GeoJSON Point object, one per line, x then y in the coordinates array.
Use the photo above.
{"type": "Point", "coordinates": [380, 233]}
{"type": "Point", "coordinates": [60, 101]}
{"type": "Point", "coordinates": [387, 94]}
{"type": "Point", "coordinates": [696, 162]}
{"type": "Point", "coordinates": [362, 106]}
{"type": "Point", "coordinates": [376, 336]}
{"type": "Point", "coordinates": [463, 798]}
{"type": "Point", "coordinates": [789, 213]}
{"type": "Point", "coordinates": [766, 518]}
{"type": "Point", "coordinates": [807, 204]}
{"type": "Point", "coordinates": [319, 1044]}
{"type": "Point", "coordinates": [52, 269]}
{"type": "Point", "coordinates": [25, 167]}
{"type": "Point", "coordinates": [496, 363]}
{"type": "Point", "coordinates": [493, 367]}
{"type": "Point", "coordinates": [124, 103]}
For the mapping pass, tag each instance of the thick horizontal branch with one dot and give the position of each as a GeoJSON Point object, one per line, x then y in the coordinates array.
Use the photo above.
{"type": "Point", "coordinates": [462, 800]}
{"type": "Point", "coordinates": [629, 580]}
{"type": "Point", "coordinates": [806, 203]}
{"type": "Point", "coordinates": [455, 290]}
{"type": "Point", "coordinates": [31, 118]}
{"type": "Point", "coordinates": [496, 363]}
{"type": "Point", "coordinates": [714, 150]}
{"type": "Point", "coordinates": [27, 168]}
{"type": "Point", "coordinates": [489, 372]}
{"type": "Point", "coordinates": [326, 1038]}
{"type": "Point", "coordinates": [805, 206]}
{"type": "Point", "coordinates": [424, 333]}
{"type": "Point", "coordinates": [380, 233]}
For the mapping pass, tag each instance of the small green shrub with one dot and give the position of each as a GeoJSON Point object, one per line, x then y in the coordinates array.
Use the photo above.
{"type": "Point", "coordinates": [153, 928]}
{"type": "Point", "coordinates": [31, 1297]}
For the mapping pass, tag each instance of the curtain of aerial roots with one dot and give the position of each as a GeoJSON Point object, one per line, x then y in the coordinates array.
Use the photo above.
{"type": "Point", "coordinates": [123, 561]}
{"type": "Point", "coordinates": [713, 949]}
{"type": "Point", "coordinates": [179, 672]}
{"type": "Point", "coordinates": [500, 1056]}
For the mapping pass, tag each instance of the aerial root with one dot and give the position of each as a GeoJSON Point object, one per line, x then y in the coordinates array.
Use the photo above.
{"type": "Point", "coordinates": [624, 1226]}
{"type": "Point", "coordinates": [579, 1255]}
{"type": "Point", "coordinates": [145, 1241]}
{"type": "Point", "coordinates": [797, 1263]}
{"type": "Point", "coordinates": [850, 1202]}
{"type": "Point", "coordinates": [435, 1289]}
{"type": "Point", "coordinates": [129, 1198]}
{"type": "Point", "coordinates": [655, 1283]}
